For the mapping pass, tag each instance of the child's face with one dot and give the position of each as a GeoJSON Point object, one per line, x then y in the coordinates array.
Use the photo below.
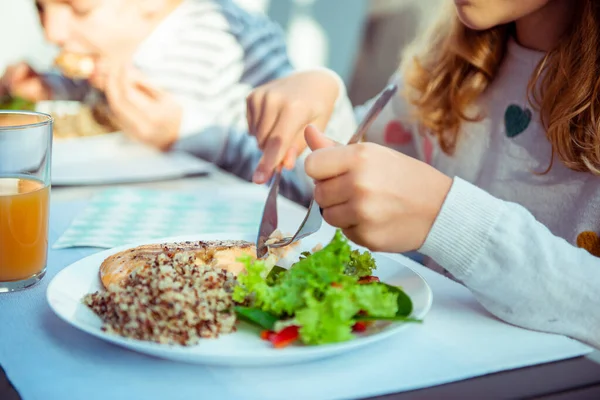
{"type": "Point", "coordinates": [485, 14]}
{"type": "Point", "coordinates": [107, 30]}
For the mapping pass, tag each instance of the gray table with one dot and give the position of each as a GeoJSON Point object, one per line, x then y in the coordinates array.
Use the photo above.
{"type": "Point", "coordinates": [578, 378]}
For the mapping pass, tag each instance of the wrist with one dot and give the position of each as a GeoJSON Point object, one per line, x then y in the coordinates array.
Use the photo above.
{"type": "Point", "coordinates": [331, 80]}
{"type": "Point", "coordinates": [440, 187]}
{"type": "Point", "coordinates": [461, 230]}
{"type": "Point", "coordinates": [328, 88]}
{"type": "Point", "coordinates": [333, 84]}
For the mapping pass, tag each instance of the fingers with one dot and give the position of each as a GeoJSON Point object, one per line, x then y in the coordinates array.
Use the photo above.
{"type": "Point", "coordinates": [285, 130]}
{"type": "Point", "coordinates": [128, 88]}
{"type": "Point", "coordinates": [356, 234]}
{"type": "Point", "coordinates": [270, 113]}
{"type": "Point", "coordinates": [30, 89]}
{"type": "Point", "coordinates": [144, 112]}
{"type": "Point", "coordinates": [263, 110]}
{"type": "Point", "coordinates": [317, 140]}
{"type": "Point", "coordinates": [14, 76]}
{"type": "Point", "coordinates": [334, 191]}
{"type": "Point", "coordinates": [19, 72]}
{"type": "Point", "coordinates": [280, 141]}
{"type": "Point", "coordinates": [5, 82]}
{"type": "Point", "coordinates": [142, 83]}
{"type": "Point", "coordinates": [340, 216]}
{"type": "Point", "coordinates": [262, 175]}
{"type": "Point", "coordinates": [296, 150]}
{"type": "Point", "coordinates": [22, 81]}
{"type": "Point", "coordinates": [328, 159]}
{"type": "Point", "coordinates": [290, 158]}
{"type": "Point", "coordinates": [136, 91]}
{"type": "Point", "coordinates": [115, 95]}
{"type": "Point", "coordinates": [126, 100]}
{"type": "Point", "coordinates": [252, 110]}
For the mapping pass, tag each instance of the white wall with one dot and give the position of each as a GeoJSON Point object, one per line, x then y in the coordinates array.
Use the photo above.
{"type": "Point", "coordinates": [20, 35]}
{"type": "Point", "coordinates": [393, 24]}
{"type": "Point", "coordinates": [319, 32]}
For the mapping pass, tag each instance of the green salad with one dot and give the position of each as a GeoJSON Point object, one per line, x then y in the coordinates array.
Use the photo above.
{"type": "Point", "coordinates": [16, 103]}
{"type": "Point", "coordinates": [325, 297]}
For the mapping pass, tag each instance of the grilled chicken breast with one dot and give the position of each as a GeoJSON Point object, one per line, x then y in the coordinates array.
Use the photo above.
{"type": "Point", "coordinates": [216, 253]}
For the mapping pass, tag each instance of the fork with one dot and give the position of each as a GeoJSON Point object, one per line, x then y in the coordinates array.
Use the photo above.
{"type": "Point", "coordinates": [313, 219]}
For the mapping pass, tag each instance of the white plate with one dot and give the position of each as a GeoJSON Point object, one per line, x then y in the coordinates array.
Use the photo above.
{"type": "Point", "coordinates": [113, 159]}
{"type": "Point", "coordinates": [242, 348]}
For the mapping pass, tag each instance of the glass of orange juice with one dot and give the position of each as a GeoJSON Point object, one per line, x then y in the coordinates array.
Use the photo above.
{"type": "Point", "coordinates": [25, 155]}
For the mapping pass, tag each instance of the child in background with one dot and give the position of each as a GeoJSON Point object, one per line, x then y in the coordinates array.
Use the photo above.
{"type": "Point", "coordinates": [488, 164]}
{"type": "Point", "coordinates": [175, 73]}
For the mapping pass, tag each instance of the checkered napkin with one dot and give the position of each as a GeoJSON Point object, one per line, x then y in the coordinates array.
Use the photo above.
{"type": "Point", "coordinates": [118, 217]}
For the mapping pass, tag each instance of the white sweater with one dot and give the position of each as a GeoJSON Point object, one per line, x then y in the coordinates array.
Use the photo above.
{"type": "Point", "coordinates": [506, 233]}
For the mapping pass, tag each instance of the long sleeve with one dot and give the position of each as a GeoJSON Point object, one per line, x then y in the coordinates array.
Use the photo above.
{"type": "Point", "coordinates": [515, 266]}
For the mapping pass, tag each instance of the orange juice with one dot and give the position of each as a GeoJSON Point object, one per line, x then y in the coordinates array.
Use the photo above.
{"type": "Point", "coordinates": [23, 228]}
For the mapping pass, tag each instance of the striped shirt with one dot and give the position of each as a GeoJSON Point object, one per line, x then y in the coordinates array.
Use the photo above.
{"type": "Point", "coordinates": [210, 54]}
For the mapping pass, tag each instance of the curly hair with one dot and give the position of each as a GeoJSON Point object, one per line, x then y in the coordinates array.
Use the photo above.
{"type": "Point", "coordinates": [459, 63]}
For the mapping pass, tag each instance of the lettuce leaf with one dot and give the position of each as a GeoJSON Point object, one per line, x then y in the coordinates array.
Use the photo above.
{"type": "Point", "coordinates": [317, 292]}
{"type": "Point", "coordinates": [360, 264]}
{"type": "Point", "coordinates": [16, 103]}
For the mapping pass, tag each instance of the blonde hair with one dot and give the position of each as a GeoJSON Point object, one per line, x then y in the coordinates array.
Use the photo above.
{"type": "Point", "coordinates": [459, 63]}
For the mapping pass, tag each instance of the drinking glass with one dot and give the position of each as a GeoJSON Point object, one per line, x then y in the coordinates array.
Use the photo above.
{"type": "Point", "coordinates": [25, 158]}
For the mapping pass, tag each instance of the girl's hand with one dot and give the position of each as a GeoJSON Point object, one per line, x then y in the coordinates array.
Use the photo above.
{"type": "Point", "coordinates": [143, 111]}
{"type": "Point", "coordinates": [279, 111]}
{"type": "Point", "coordinates": [382, 199]}
{"type": "Point", "coordinates": [20, 80]}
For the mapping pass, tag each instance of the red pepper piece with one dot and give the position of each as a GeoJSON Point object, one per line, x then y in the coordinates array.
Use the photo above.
{"type": "Point", "coordinates": [284, 337]}
{"type": "Point", "coordinates": [266, 335]}
{"type": "Point", "coordinates": [368, 279]}
{"type": "Point", "coordinates": [359, 326]}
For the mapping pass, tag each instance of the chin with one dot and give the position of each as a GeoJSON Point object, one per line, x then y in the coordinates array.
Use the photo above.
{"type": "Point", "coordinates": [473, 19]}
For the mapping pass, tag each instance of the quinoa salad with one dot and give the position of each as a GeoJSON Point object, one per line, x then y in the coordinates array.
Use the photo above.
{"type": "Point", "coordinates": [171, 301]}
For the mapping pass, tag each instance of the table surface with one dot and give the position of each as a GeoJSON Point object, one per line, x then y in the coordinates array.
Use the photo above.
{"type": "Point", "coordinates": [575, 378]}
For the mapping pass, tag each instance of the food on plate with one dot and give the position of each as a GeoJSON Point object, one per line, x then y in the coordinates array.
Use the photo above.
{"type": "Point", "coordinates": [327, 296]}
{"type": "Point", "coordinates": [170, 299]}
{"type": "Point", "coordinates": [181, 292]}
{"type": "Point", "coordinates": [75, 66]}
{"type": "Point", "coordinates": [71, 119]}
{"type": "Point", "coordinates": [85, 121]}
{"type": "Point", "coordinates": [222, 254]}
